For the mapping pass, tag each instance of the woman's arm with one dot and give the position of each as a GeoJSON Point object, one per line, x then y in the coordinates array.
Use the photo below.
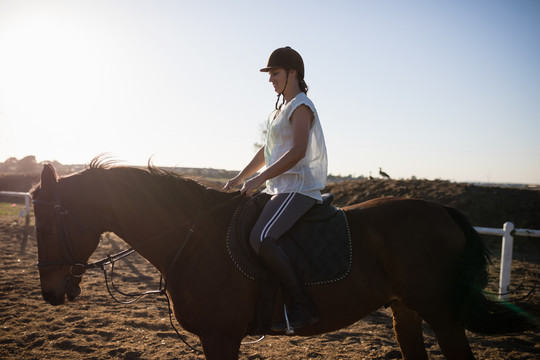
{"type": "Point", "coordinates": [301, 121]}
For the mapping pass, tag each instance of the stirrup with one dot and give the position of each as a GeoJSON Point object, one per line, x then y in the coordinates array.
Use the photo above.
{"type": "Point", "coordinates": [287, 326]}
{"type": "Point", "coordinates": [290, 330]}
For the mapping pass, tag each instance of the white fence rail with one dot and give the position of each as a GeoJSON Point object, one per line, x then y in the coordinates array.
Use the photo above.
{"type": "Point", "coordinates": [20, 194]}
{"type": "Point", "coordinates": [26, 210]}
{"type": "Point", "coordinates": [507, 232]}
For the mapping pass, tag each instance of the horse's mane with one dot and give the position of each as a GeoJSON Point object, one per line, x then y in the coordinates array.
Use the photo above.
{"type": "Point", "coordinates": [164, 184]}
{"type": "Point", "coordinates": [102, 162]}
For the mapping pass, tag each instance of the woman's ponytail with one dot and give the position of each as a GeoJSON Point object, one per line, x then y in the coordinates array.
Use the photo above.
{"type": "Point", "coordinates": [303, 86]}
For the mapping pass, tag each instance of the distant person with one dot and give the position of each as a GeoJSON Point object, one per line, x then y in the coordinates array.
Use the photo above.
{"type": "Point", "coordinates": [296, 168]}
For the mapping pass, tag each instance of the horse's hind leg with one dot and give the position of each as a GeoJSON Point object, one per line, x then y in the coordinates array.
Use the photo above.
{"type": "Point", "coordinates": [451, 338]}
{"type": "Point", "coordinates": [408, 330]}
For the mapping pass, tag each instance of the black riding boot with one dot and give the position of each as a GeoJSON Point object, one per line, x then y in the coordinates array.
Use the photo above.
{"type": "Point", "coordinates": [302, 311]}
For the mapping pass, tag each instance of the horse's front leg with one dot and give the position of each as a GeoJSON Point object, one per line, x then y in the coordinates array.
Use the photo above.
{"type": "Point", "coordinates": [218, 346]}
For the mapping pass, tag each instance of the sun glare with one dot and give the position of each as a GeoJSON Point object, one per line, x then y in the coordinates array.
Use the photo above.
{"type": "Point", "coordinates": [51, 75]}
{"type": "Point", "coordinates": [52, 67]}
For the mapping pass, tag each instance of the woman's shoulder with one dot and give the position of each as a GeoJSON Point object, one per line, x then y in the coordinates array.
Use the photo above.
{"type": "Point", "coordinates": [302, 99]}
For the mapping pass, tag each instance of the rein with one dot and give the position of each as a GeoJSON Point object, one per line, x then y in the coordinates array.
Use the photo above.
{"type": "Point", "coordinates": [111, 259]}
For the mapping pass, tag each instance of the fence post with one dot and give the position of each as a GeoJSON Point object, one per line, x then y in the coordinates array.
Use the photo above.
{"type": "Point", "coordinates": [506, 260]}
{"type": "Point", "coordinates": [27, 211]}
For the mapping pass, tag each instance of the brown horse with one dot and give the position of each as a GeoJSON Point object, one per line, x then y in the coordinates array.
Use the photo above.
{"type": "Point", "coordinates": [423, 259]}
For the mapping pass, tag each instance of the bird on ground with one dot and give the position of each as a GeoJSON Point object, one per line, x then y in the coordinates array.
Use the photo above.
{"type": "Point", "coordinates": [383, 174]}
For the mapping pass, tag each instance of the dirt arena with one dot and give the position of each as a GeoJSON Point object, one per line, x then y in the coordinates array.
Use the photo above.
{"type": "Point", "coordinates": [96, 327]}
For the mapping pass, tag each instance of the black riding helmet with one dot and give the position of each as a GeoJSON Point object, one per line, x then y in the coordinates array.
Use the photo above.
{"type": "Point", "coordinates": [285, 58]}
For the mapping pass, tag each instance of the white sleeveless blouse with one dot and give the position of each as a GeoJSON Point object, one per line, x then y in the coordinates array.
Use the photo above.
{"type": "Point", "coordinates": [308, 176]}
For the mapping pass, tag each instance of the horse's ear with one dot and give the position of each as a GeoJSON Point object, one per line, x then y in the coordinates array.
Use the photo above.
{"type": "Point", "coordinates": [49, 180]}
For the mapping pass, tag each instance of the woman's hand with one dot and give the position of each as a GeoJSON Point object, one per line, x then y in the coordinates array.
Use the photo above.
{"type": "Point", "coordinates": [252, 185]}
{"type": "Point", "coordinates": [234, 182]}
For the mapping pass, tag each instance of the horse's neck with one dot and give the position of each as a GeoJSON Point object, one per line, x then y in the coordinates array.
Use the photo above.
{"type": "Point", "coordinates": [151, 235]}
{"type": "Point", "coordinates": [153, 225]}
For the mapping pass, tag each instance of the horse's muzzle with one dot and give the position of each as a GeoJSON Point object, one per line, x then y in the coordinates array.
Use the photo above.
{"type": "Point", "coordinates": [70, 290]}
{"type": "Point", "coordinates": [53, 298]}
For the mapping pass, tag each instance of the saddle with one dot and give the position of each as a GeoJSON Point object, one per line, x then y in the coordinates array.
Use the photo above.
{"type": "Point", "coordinates": [319, 247]}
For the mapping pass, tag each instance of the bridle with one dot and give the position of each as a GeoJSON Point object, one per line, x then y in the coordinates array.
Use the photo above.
{"type": "Point", "coordinates": [77, 268]}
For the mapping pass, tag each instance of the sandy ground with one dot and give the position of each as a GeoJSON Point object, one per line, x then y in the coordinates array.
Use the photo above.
{"type": "Point", "coordinates": [96, 327]}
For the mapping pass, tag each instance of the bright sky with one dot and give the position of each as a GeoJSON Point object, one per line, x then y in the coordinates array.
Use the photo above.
{"type": "Point", "coordinates": [432, 89]}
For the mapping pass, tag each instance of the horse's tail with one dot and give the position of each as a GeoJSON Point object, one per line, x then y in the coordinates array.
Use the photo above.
{"type": "Point", "coordinates": [477, 312]}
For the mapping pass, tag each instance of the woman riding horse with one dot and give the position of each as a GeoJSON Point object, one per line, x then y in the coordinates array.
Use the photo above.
{"type": "Point", "coordinates": [295, 173]}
